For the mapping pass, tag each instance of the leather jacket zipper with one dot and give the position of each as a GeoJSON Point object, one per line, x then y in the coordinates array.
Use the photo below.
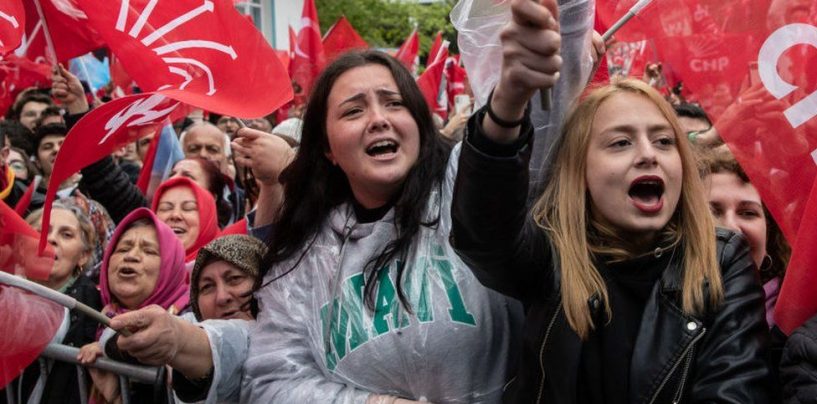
{"type": "Point", "coordinates": [542, 351]}
{"type": "Point", "coordinates": [686, 357]}
{"type": "Point", "coordinates": [684, 375]}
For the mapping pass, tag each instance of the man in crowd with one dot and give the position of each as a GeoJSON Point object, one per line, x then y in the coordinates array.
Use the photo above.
{"type": "Point", "coordinates": [28, 108]}
{"type": "Point", "coordinates": [10, 190]}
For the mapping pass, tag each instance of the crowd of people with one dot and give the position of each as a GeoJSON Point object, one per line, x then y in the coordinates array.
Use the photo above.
{"type": "Point", "coordinates": [374, 255]}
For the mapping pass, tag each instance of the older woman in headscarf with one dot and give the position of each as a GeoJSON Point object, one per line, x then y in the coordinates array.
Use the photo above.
{"type": "Point", "coordinates": [143, 266]}
{"type": "Point", "coordinates": [189, 210]}
{"type": "Point", "coordinates": [205, 348]}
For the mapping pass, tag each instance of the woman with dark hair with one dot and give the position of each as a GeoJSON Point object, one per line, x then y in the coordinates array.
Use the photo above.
{"type": "Point", "coordinates": [363, 299]}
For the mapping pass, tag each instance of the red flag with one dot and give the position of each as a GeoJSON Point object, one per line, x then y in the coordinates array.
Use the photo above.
{"type": "Point", "coordinates": [12, 25]}
{"type": "Point", "coordinates": [283, 56]}
{"type": "Point", "coordinates": [456, 78]}
{"type": "Point", "coordinates": [340, 38]}
{"type": "Point", "coordinates": [432, 85]}
{"type": "Point", "coordinates": [100, 132]}
{"type": "Point", "coordinates": [122, 82]}
{"type": "Point", "coordinates": [602, 73]}
{"type": "Point", "coordinates": [797, 301]}
{"type": "Point", "coordinates": [17, 74]}
{"type": "Point", "coordinates": [408, 52]}
{"type": "Point", "coordinates": [65, 28]}
{"type": "Point", "coordinates": [435, 47]}
{"type": "Point", "coordinates": [309, 59]}
{"type": "Point", "coordinates": [29, 323]}
{"type": "Point", "coordinates": [18, 247]}
{"type": "Point", "coordinates": [204, 54]}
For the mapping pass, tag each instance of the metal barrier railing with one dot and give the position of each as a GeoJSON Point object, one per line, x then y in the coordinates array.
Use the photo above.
{"type": "Point", "coordinates": [68, 354]}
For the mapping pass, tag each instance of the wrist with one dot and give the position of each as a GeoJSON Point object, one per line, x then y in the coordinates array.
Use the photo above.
{"type": "Point", "coordinates": [77, 107]}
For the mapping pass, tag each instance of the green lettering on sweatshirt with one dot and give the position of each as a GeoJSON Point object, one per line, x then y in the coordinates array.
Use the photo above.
{"type": "Point", "coordinates": [349, 325]}
{"type": "Point", "coordinates": [457, 311]}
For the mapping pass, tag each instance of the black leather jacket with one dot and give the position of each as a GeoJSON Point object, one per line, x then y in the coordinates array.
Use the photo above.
{"type": "Point", "coordinates": [719, 357]}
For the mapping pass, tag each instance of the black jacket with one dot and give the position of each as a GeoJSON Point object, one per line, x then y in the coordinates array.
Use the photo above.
{"type": "Point", "coordinates": [798, 367]}
{"type": "Point", "coordinates": [719, 357]}
{"type": "Point", "coordinates": [62, 384]}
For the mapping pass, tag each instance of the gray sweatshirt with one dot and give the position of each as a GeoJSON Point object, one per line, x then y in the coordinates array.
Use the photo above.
{"type": "Point", "coordinates": [315, 341]}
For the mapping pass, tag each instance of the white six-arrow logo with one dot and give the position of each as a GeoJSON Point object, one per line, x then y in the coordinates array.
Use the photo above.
{"type": "Point", "coordinates": [168, 51]}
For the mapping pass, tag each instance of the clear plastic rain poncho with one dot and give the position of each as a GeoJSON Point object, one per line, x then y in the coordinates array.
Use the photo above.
{"type": "Point", "coordinates": [478, 23]}
{"type": "Point", "coordinates": [316, 341]}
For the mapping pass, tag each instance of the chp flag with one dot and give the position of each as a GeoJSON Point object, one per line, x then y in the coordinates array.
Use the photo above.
{"type": "Point", "coordinates": [201, 53]}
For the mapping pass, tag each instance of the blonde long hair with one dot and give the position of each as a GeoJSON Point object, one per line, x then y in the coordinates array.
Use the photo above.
{"type": "Point", "coordinates": [577, 237]}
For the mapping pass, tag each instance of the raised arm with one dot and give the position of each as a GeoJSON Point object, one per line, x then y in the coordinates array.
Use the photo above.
{"type": "Point", "coordinates": [492, 230]}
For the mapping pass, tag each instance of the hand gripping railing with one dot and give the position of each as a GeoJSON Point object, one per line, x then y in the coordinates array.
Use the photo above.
{"type": "Point", "coordinates": [68, 354]}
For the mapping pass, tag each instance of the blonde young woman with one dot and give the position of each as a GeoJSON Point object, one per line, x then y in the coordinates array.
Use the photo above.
{"type": "Point", "coordinates": [631, 294]}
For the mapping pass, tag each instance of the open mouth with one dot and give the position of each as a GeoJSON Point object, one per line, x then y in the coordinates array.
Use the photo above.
{"type": "Point", "coordinates": [382, 147]}
{"type": "Point", "coordinates": [178, 230]}
{"type": "Point", "coordinates": [127, 272]}
{"type": "Point", "coordinates": [646, 193]}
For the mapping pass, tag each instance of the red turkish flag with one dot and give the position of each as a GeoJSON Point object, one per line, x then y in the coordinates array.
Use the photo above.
{"type": "Point", "coordinates": [341, 38]}
{"type": "Point", "coordinates": [204, 54]}
{"type": "Point", "coordinates": [29, 323]}
{"type": "Point", "coordinates": [456, 78]}
{"type": "Point", "coordinates": [432, 84]}
{"type": "Point", "coordinates": [309, 58]}
{"type": "Point", "coordinates": [12, 25]}
{"type": "Point", "coordinates": [65, 27]}
{"type": "Point", "coordinates": [103, 130]}
{"type": "Point", "coordinates": [435, 47]}
{"type": "Point", "coordinates": [408, 52]}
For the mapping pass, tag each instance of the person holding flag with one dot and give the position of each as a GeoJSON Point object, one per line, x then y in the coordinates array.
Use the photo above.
{"type": "Point", "coordinates": [631, 293]}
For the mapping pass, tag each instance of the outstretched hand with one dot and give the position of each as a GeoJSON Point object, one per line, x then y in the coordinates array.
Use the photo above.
{"type": "Point", "coordinates": [156, 337]}
{"type": "Point", "coordinates": [67, 88]}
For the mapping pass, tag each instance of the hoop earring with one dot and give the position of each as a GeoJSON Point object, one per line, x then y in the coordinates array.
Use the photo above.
{"type": "Point", "coordinates": [766, 264]}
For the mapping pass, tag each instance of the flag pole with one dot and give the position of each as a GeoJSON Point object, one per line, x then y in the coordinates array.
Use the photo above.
{"type": "Point", "coordinates": [56, 297]}
{"type": "Point", "coordinates": [49, 43]}
{"type": "Point", "coordinates": [632, 12]}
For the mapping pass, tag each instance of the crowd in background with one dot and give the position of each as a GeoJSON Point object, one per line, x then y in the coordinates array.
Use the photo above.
{"type": "Point", "coordinates": [365, 250]}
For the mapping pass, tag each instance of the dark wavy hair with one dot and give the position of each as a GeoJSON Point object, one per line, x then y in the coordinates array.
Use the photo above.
{"type": "Point", "coordinates": [313, 185]}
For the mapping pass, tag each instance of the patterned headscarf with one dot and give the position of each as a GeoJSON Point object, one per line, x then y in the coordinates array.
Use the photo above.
{"type": "Point", "coordinates": [171, 291]}
{"type": "Point", "coordinates": [208, 216]}
{"type": "Point", "coordinates": [102, 224]}
{"type": "Point", "coordinates": [244, 252]}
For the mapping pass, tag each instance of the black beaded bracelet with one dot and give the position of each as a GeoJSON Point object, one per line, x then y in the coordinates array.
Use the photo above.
{"type": "Point", "coordinates": [499, 121]}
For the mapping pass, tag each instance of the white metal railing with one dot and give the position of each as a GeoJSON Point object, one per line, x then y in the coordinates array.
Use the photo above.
{"type": "Point", "coordinates": [68, 354]}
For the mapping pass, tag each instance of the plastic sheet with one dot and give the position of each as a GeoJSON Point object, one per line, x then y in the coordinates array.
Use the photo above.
{"type": "Point", "coordinates": [315, 341]}
{"type": "Point", "coordinates": [478, 23]}
{"type": "Point", "coordinates": [27, 324]}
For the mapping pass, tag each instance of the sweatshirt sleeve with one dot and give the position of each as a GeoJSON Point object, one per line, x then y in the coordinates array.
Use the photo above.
{"type": "Point", "coordinates": [281, 366]}
{"type": "Point", "coordinates": [229, 340]}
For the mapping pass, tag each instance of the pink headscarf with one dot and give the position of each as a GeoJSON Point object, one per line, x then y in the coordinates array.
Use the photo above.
{"type": "Point", "coordinates": [208, 216]}
{"type": "Point", "coordinates": [172, 289]}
